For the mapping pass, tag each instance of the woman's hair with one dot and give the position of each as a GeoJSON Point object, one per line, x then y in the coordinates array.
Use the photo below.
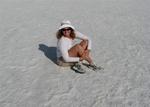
{"type": "Point", "coordinates": [59, 34]}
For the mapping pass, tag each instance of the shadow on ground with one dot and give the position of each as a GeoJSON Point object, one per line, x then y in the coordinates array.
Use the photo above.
{"type": "Point", "coordinates": [50, 52]}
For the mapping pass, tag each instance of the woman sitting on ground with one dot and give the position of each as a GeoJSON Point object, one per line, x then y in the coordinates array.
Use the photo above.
{"type": "Point", "coordinates": [67, 54]}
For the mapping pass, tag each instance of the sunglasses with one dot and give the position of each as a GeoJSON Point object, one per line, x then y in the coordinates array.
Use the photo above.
{"type": "Point", "coordinates": [66, 29]}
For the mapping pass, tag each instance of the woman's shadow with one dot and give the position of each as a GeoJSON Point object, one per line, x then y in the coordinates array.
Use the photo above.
{"type": "Point", "coordinates": [50, 52]}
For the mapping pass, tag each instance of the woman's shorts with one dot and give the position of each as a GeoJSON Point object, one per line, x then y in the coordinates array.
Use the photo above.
{"type": "Point", "coordinates": [61, 62]}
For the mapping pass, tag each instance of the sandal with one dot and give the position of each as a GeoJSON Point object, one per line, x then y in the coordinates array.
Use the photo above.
{"type": "Point", "coordinates": [77, 68]}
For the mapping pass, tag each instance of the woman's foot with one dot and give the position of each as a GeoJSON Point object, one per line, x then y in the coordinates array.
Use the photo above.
{"type": "Point", "coordinates": [95, 67]}
{"type": "Point", "coordinates": [77, 68]}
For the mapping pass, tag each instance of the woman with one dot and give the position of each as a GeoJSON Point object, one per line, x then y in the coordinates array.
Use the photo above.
{"type": "Point", "coordinates": [67, 54]}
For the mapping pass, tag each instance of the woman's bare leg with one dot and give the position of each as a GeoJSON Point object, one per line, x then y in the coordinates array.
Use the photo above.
{"type": "Point", "coordinates": [76, 51]}
{"type": "Point", "coordinates": [84, 44]}
{"type": "Point", "coordinates": [87, 57]}
{"type": "Point", "coordinates": [80, 50]}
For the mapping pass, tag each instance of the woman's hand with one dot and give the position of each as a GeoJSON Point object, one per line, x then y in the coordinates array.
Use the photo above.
{"type": "Point", "coordinates": [81, 59]}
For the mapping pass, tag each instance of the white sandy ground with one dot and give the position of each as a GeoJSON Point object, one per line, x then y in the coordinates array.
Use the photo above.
{"type": "Point", "coordinates": [120, 31]}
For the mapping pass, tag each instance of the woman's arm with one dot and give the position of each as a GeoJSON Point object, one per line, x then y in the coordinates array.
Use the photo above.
{"type": "Point", "coordinates": [83, 37]}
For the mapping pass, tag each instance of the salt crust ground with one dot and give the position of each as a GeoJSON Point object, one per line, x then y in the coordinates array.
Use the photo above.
{"type": "Point", "coordinates": [120, 31]}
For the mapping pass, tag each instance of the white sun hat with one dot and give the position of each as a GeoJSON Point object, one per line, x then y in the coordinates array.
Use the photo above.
{"type": "Point", "coordinates": [66, 23]}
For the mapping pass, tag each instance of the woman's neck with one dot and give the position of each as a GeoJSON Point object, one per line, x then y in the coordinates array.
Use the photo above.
{"type": "Point", "coordinates": [68, 37]}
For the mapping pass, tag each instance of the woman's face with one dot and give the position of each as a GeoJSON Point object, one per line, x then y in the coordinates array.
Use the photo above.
{"type": "Point", "coordinates": [66, 31]}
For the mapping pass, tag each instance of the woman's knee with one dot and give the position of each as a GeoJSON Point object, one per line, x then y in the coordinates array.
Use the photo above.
{"type": "Point", "coordinates": [84, 44]}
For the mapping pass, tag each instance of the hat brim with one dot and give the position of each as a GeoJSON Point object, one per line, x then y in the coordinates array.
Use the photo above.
{"type": "Point", "coordinates": [64, 26]}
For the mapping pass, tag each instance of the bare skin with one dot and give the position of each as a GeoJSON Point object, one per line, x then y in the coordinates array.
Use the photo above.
{"type": "Point", "coordinates": [79, 50]}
